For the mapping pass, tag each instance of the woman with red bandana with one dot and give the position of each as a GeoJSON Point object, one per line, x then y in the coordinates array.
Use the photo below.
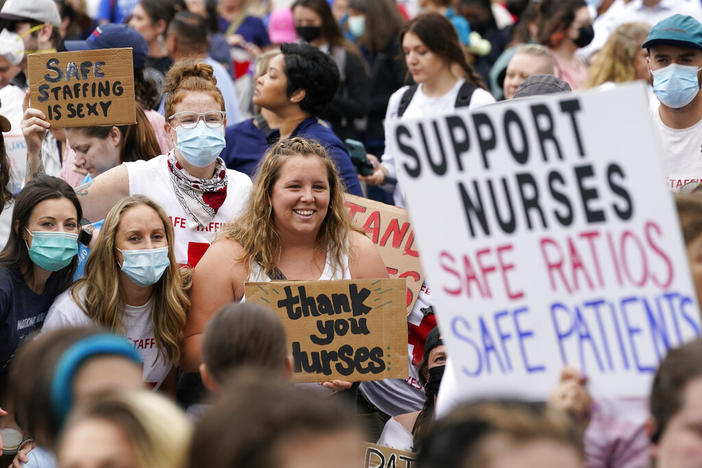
{"type": "Point", "coordinates": [191, 183]}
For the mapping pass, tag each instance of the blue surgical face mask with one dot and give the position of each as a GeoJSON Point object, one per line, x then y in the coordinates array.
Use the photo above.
{"type": "Point", "coordinates": [357, 25]}
{"type": "Point", "coordinates": [676, 85]}
{"type": "Point", "coordinates": [145, 267]}
{"type": "Point", "coordinates": [200, 145]}
{"type": "Point", "coordinates": [52, 251]}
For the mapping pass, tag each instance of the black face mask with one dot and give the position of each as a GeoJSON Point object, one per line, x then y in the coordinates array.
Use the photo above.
{"type": "Point", "coordinates": [308, 33]}
{"type": "Point", "coordinates": [516, 7]}
{"type": "Point", "coordinates": [585, 36]}
{"type": "Point", "coordinates": [435, 375]}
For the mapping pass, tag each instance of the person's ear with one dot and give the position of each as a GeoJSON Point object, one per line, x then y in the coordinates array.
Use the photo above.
{"type": "Point", "coordinates": [297, 96]}
{"type": "Point", "coordinates": [45, 33]}
{"type": "Point", "coordinates": [207, 380]}
{"type": "Point", "coordinates": [171, 45]}
{"type": "Point", "coordinates": [115, 136]}
{"type": "Point", "coordinates": [171, 132]}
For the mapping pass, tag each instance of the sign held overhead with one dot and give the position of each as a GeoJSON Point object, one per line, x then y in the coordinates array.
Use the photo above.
{"type": "Point", "coordinates": [83, 89]}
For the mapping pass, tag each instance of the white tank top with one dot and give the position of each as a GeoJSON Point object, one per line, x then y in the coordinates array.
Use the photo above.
{"type": "Point", "coordinates": [256, 274]}
{"type": "Point", "coordinates": [152, 179]}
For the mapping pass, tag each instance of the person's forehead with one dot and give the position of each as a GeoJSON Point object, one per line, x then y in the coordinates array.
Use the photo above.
{"type": "Point", "coordinates": [582, 16]}
{"type": "Point", "coordinates": [675, 51]}
{"type": "Point", "coordinates": [526, 62]}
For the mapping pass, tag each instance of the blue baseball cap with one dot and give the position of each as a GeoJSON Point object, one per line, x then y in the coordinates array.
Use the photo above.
{"type": "Point", "coordinates": [114, 36]}
{"type": "Point", "coordinates": [676, 30]}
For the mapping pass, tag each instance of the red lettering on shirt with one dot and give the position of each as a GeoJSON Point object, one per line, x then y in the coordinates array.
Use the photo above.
{"type": "Point", "coordinates": [178, 222]}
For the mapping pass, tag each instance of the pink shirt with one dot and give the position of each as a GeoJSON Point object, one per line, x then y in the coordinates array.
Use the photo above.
{"type": "Point", "coordinates": [574, 73]}
{"type": "Point", "coordinates": [616, 435]}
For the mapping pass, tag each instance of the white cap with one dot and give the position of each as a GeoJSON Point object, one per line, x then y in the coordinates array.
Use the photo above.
{"type": "Point", "coordinates": [41, 11]}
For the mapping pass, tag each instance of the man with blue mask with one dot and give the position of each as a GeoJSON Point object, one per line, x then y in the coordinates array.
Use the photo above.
{"type": "Point", "coordinates": [675, 60]}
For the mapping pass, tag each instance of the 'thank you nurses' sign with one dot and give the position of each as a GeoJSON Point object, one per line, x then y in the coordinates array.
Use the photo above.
{"type": "Point", "coordinates": [346, 329]}
{"type": "Point", "coordinates": [550, 239]}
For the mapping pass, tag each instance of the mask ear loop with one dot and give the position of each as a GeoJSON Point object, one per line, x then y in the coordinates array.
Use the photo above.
{"type": "Point", "coordinates": [31, 30]}
{"type": "Point", "coordinates": [25, 240]}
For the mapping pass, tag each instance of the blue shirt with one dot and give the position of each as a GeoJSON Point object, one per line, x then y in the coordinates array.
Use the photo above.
{"type": "Point", "coordinates": [252, 29]}
{"type": "Point", "coordinates": [246, 145]}
{"type": "Point", "coordinates": [22, 313]}
{"type": "Point", "coordinates": [115, 11]}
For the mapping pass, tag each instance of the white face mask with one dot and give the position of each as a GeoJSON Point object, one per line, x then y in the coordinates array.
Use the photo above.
{"type": "Point", "coordinates": [357, 25]}
{"type": "Point", "coordinates": [11, 47]}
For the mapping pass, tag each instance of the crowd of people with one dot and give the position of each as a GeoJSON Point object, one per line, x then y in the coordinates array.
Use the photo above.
{"type": "Point", "coordinates": [125, 335]}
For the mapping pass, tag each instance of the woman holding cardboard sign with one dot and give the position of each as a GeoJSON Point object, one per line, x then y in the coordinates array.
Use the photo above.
{"type": "Point", "coordinates": [294, 227]}
{"type": "Point", "coordinates": [191, 183]}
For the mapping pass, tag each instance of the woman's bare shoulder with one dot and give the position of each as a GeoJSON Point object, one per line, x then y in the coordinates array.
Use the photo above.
{"type": "Point", "coordinates": [364, 258]}
{"type": "Point", "coordinates": [359, 242]}
{"type": "Point", "coordinates": [225, 254]}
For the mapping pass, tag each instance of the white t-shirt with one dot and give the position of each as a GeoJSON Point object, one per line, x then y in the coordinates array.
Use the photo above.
{"type": "Point", "coordinates": [152, 178]}
{"type": "Point", "coordinates": [395, 436]}
{"type": "Point", "coordinates": [65, 312]}
{"type": "Point", "coordinates": [11, 99]}
{"type": "Point", "coordinates": [682, 152]}
{"type": "Point", "coordinates": [422, 105]}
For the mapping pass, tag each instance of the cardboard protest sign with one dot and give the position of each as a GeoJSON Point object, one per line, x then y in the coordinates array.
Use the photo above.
{"type": "Point", "coordinates": [82, 89]}
{"type": "Point", "coordinates": [351, 330]}
{"type": "Point", "coordinates": [389, 228]}
{"type": "Point", "coordinates": [556, 242]}
{"type": "Point", "coordinates": [377, 456]}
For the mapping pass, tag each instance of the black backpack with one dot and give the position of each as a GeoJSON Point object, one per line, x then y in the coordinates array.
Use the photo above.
{"type": "Point", "coordinates": [465, 93]}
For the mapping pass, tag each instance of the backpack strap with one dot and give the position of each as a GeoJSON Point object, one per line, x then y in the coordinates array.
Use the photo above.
{"type": "Point", "coordinates": [465, 93]}
{"type": "Point", "coordinates": [234, 25]}
{"type": "Point", "coordinates": [406, 99]}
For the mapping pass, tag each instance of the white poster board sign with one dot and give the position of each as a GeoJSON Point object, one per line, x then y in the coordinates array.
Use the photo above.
{"type": "Point", "coordinates": [550, 239]}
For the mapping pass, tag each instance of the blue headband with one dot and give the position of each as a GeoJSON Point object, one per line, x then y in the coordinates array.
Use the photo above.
{"type": "Point", "coordinates": [71, 360]}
